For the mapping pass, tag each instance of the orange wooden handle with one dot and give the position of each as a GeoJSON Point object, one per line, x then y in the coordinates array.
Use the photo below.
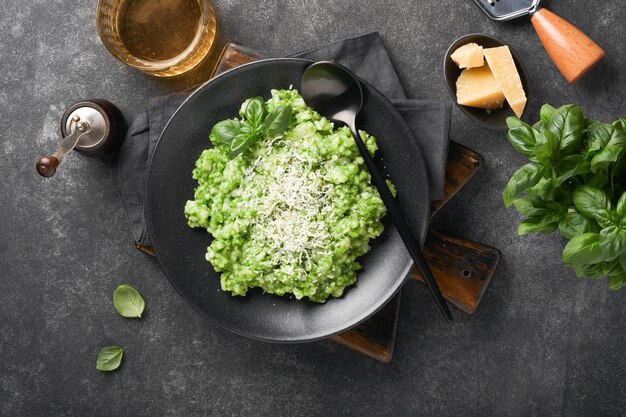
{"type": "Point", "coordinates": [573, 52]}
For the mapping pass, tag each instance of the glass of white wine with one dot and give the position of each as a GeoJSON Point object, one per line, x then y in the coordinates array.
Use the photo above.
{"type": "Point", "coordinates": [162, 38]}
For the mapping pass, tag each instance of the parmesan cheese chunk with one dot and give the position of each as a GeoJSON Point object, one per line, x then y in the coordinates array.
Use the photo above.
{"type": "Point", "coordinates": [477, 87]}
{"type": "Point", "coordinates": [469, 55]}
{"type": "Point", "coordinates": [503, 67]}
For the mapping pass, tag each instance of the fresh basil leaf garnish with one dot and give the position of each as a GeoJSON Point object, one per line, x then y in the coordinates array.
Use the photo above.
{"type": "Point", "coordinates": [240, 143]}
{"type": "Point", "coordinates": [225, 131]}
{"type": "Point", "coordinates": [255, 110]}
{"type": "Point", "coordinates": [278, 120]}
{"type": "Point", "coordinates": [128, 302]}
{"type": "Point", "coordinates": [109, 358]}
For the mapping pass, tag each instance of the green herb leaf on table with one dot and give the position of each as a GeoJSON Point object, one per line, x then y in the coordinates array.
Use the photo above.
{"type": "Point", "coordinates": [547, 147]}
{"type": "Point", "coordinates": [544, 225]}
{"type": "Point", "coordinates": [617, 281]}
{"type": "Point", "coordinates": [620, 123]}
{"type": "Point", "coordinates": [574, 224]}
{"type": "Point", "coordinates": [567, 124]}
{"type": "Point", "coordinates": [583, 249]}
{"type": "Point", "coordinates": [590, 271]}
{"type": "Point", "coordinates": [614, 140]}
{"type": "Point", "coordinates": [612, 242]}
{"type": "Point", "coordinates": [109, 358]}
{"type": "Point", "coordinates": [522, 137]}
{"type": "Point", "coordinates": [128, 302]}
{"type": "Point", "coordinates": [568, 167]}
{"type": "Point", "coordinates": [594, 203]}
{"type": "Point", "coordinates": [524, 178]}
{"type": "Point", "coordinates": [546, 113]}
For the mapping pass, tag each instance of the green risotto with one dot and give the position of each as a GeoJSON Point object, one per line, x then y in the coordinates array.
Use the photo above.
{"type": "Point", "coordinates": [289, 212]}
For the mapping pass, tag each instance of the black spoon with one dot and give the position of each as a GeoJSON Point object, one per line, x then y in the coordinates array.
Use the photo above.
{"type": "Point", "coordinates": [334, 92]}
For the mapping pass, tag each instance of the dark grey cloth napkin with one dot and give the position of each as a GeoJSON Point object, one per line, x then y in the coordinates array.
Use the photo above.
{"type": "Point", "coordinates": [364, 55]}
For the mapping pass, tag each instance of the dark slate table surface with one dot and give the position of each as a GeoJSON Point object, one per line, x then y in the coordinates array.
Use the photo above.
{"type": "Point", "coordinates": [542, 343]}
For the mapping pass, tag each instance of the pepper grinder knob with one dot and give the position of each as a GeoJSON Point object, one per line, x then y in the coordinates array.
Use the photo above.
{"type": "Point", "coordinates": [92, 127]}
{"type": "Point", "coordinates": [47, 165]}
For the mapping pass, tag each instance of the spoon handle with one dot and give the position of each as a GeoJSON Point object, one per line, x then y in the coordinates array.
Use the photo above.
{"type": "Point", "coordinates": [401, 224]}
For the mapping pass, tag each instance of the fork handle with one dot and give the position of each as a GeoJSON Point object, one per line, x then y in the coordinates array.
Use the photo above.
{"type": "Point", "coordinates": [573, 52]}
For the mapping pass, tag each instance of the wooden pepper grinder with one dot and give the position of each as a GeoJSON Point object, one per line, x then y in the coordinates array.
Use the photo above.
{"type": "Point", "coordinates": [92, 127]}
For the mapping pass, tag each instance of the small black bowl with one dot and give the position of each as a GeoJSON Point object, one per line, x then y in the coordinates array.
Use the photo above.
{"type": "Point", "coordinates": [496, 119]}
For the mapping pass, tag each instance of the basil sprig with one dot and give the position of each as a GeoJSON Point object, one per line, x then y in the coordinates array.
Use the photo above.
{"type": "Point", "coordinates": [574, 182]}
{"type": "Point", "coordinates": [255, 123]}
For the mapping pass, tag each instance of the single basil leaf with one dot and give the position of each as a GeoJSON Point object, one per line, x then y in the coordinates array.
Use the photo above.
{"type": "Point", "coordinates": [128, 302]}
{"type": "Point", "coordinates": [255, 110]}
{"type": "Point", "coordinates": [240, 144]}
{"type": "Point", "coordinates": [611, 268]}
{"type": "Point", "coordinates": [109, 358]}
{"type": "Point", "coordinates": [595, 271]}
{"type": "Point", "coordinates": [225, 131]}
{"type": "Point", "coordinates": [569, 167]}
{"type": "Point", "coordinates": [617, 281]}
{"type": "Point", "coordinates": [278, 120]}
{"type": "Point", "coordinates": [583, 249]}
{"type": "Point", "coordinates": [531, 206]}
{"type": "Point", "coordinates": [525, 177]}
{"type": "Point", "coordinates": [574, 224]}
{"type": "Point", "coordinates": [606, 218]}
{"type": "Point", "coordinates": [546, 113]}
{"type": "Point", "coordinates": [567, 124]}
{"type": "Point", "coordinates": [612, 242]}
{"type": "Point", "coordinates": [543, 189]}
{"type": "Point", "coordinates": [521, 136]}
{"type": "Point", "coordinates": [589, 200]}
{"type": "Point", "coordinates": [546, 147]}
{"type": "Point", "coordinates": [620, 209]}
{"type": "Point", "coordinates": [620, 123]}
{"type": "Point", "coordinates": [613, 148]}
{"type": "Point", "coordinates": [598, 135]}
{"type": "Point", "coordinates": [246, 127]}
{"type": "Point", "coordinates": [543, 225]}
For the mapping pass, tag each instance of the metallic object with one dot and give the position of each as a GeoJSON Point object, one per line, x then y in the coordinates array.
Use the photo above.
{"type": "Point", "coordinates": [508, 9]}
{"type": "Point", "coordinates": [92, 127]}
{"type": "Point", "coordinates": [572, 52]}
